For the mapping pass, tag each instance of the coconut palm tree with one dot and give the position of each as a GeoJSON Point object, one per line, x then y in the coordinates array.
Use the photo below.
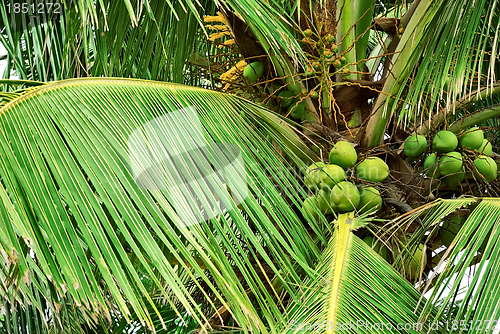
{"type": "Point", "coordinates": [92, 241]}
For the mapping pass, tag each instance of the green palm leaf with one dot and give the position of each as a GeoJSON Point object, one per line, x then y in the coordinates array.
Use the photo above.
{"type": "Point", "coordinates": [353, 284]}
{"type": "Point", "coordinates": [448, 42]}
{"type": "Point", "coordinates": [475, 308]}
{"type": "Point", "coordinates": [96, 234]}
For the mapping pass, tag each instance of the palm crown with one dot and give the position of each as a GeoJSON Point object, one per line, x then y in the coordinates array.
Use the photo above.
{"type": "Point", "coordinates": [86, 248]}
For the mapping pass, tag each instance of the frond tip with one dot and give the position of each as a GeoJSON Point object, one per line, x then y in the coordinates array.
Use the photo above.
{"type": "Point", "coordinates": [354, 286]}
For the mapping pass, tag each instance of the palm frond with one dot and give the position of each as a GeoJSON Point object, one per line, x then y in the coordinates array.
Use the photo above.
{"type": "Point", "coordinates": [354, 290]}
{"type": "Point", "coordinates": [452, 44]}
{"type": "Point", "coordinates": [96, 234]}
{"type": "Point", "coordinates": [472, 254]}
{"type": "Point", "coordinates": [151, 40]}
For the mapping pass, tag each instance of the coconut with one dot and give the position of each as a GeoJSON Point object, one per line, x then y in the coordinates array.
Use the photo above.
{"type": "Point", "coordinates": [450, 163]}
{"type": "Point", "coordinates": [343, 154]}
{"type": "Point", "coordinates": [293, 87]}
{"type": "Point", "coordinates": [369, 198]}
{"type": "Point", "coordinates": [444, 141]}
{"type": "Point", "coordinates": [449, 230]}
{"type": "Point", "coordinates": [322, 176]}
{"type": "Point", "coordinates": [472, 139]}
{"type": "Point", "coordinates": [286, 98]}
{"type": "Point", "coordinates": [344, 197]}
{"type": "Point", "coordinates": [486, 168]}
{"type": "Point", "coordinates": [413, 269]}
{"type": "Point", "coordinates": [308, 117]}
{"type": "Point", "coordinates": [431, 166]}
{"type": "Point", "coordinates": [331, 175]}
{"type": "Point", "coordinates": [296, 111]}
{"type": "Point", "coordinates": [253, 71]}
{"type": "Point", "coordinates": [310, 208]}
{"type": "Point", "coordinates": [379, 248]}
{"type": "Point", "coordinates": [323, 198]}
{"type": "Point", "coordinates": [485, 148]}
{"type": "Point", "coordinates": [372, 169]}
{"type": "Point", "coordinates": [415, 146]}
{"type": "Point", "coordinates": [356, 119]}
{"type": "Point", "coordinates": [312, 175]}
{"type": "Point", "coordinates": [454, 180]}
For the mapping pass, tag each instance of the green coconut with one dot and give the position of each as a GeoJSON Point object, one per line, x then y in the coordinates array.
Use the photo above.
{"type": "Point", "coordinates": [372, 169]}
{"type": "Point", "coordinates": [450, 163]}
{"type": "Point", "coordinates": [449, 230]}
{"type": "Point", "coordinates": [297, 111]}
{"type": "Point", "coordinates": [309, 117]}
{"type": "Point", "coordinates": [485, 148]}
{"type": "Point", "coordinates": [472, 139]}
{"type": "Point", "coordinates": [431, 166]}
{"type": "Point", "coordinates": [356, 119]}
{"type": "Point", "coordinates": [323, 198]}
{"type": "Point", "coordinates": [454, 180]}
{"type": "Point", "coordinates": [286, 98]}
{"type": "Point", "coordinates": [444, 141]}
{"type": "Point", "coordinates": [253, 71]}
{"type": "Point", "coordinates": [344, 197]}
{"type": "Point", "coordinates": [312, 175]}
{"type": "Point", "coordinates": [415, 146]}
{"type": "Point", "coordinates": [310, 207]}
{"type": "Point", "coordinates": [293, 87]}
{"type": "Point", "coordinates": [379, 248]}
{"type": "Point", "coordinates": [486, 168]}
{"type": "Point", "coordinates": [369, 199]}
{"type": "Point", "coordinates": [343, 154]}
{"type": "Point", "coordinates": [331, 175]}
{"type": "Point", "coordinates": [413, 269]}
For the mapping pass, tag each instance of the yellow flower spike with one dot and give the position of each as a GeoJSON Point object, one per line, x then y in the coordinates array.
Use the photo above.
{"type": "Point", "coordinates": [217, 27]}
{"type": "Point", "coordinates": [233, 73]}
{"type": "Point", "coordinates": [218, 18]}
{"type": "Point", "coordinates": [218, 35]}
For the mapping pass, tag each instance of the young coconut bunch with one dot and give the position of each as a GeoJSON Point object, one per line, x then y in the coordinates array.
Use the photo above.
{"type": "Point", "coordinates": [450, 154]}
{"type": "Point", "coordinates": [333, 194]}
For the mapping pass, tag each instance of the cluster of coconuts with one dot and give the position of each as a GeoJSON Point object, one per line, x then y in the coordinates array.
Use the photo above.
{"type": "Point", "coordinates": [446, 162]}
{"type": "Point", "coordinates": [333, 192]}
